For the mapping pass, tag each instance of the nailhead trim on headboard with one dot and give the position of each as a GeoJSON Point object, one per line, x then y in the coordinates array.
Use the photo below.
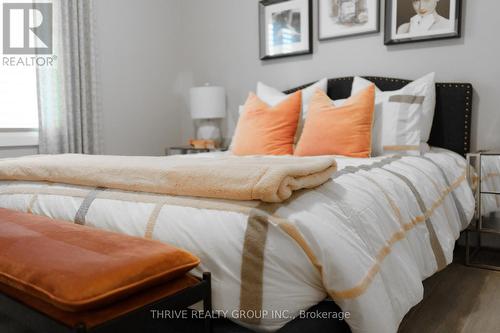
{"type": "Point", "coordinates": [467, 110]}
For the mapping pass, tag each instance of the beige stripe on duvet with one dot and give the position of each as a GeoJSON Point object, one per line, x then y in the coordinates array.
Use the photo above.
{"type": "Point", "coordinates": [81, 213]}
{"type": "Point", "coordinates": [407, 99]}
{"type": "Point", "coordinates": [402, 148]}
{"type": "Point", "coordinates": [252, 265]}
{"type": "Point", "coordinates": [153, 218]}
{"type": "Point", "coordinates": [33, 200]}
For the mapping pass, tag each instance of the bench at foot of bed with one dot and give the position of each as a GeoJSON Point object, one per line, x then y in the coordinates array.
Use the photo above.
{"type": "Point", "coordinates": [59, 277]}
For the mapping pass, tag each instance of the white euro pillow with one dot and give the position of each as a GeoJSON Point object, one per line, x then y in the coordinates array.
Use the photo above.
{"type": "Point", "coordinates": [403, 118]}
{"type": "Point", "coordinates": [273, 96]}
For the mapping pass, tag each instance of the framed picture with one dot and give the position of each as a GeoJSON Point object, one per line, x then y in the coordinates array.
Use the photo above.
{"type": "Point", "coordinates": [340, 18]}
{"type": "Point", "coordinates": [285, 28]}
{"type": "Point", "coordinates": [420, 20]}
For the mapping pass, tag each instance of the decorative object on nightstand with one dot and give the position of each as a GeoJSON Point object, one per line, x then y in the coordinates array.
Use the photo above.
{"type": "Point", "coordinates": [208, 106]}
{"type": "Point", "coordinates": [203, 144]}
{"type": "Point", "coordinates": [484, 175]}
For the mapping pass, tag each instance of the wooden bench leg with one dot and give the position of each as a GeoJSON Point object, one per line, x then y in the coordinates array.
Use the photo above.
{"type": "Point", "coordinates": [207, 302]}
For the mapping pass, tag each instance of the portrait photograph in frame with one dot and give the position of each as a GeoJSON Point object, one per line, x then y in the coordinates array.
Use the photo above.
{"type": "Point", "coordinates": [408, 21]}
{"type": "Point", "coordinates": [342, 18]}
{"type": "Point", "coordinates": [285, 28]}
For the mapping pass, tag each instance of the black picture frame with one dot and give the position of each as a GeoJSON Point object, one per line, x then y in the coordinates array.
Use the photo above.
{"type": "Point", "coordinates": [373, 31]}
{"type": "Point", "coordinates": [263, 37]}
{"type": "Point", "coordinates": [390, 40]}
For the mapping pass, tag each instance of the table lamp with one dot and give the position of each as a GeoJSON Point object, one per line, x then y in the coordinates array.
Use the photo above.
{"type": "Point", "coordinates": [208, 104]}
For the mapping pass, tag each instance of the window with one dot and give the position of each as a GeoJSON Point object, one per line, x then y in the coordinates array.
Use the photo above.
{"type": "Point", "coordinates": [18, 106]}
{"type": "Point", "coordinates": [18, 97]}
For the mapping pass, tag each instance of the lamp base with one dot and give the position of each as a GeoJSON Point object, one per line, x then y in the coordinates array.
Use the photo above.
{"type": "Point", "coordinates": [208, 129]}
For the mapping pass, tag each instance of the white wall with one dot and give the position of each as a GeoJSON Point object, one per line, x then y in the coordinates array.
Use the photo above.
{"type": "Point", "coordinates": [139, 56]}
{"type": "Point", "coordinates": [221, 46]}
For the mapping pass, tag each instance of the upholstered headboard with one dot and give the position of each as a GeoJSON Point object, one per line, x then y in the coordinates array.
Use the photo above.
{"type": "Point", "coordinates": [452, 119]}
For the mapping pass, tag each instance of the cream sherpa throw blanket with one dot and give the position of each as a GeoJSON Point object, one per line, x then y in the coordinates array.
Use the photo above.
{"type": "Point", "coordinates": [269, 179]}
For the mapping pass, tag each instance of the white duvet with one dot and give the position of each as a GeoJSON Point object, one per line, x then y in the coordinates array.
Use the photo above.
{"type": "Point", "coordinates": [367, 238]}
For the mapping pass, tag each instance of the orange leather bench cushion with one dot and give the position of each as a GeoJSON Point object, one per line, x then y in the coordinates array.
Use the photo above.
{"type": "Point", "coordinates": [77, 268]}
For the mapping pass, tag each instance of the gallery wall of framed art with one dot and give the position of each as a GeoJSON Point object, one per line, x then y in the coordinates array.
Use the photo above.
{"type": "Point", "coordinates": [286, 26]}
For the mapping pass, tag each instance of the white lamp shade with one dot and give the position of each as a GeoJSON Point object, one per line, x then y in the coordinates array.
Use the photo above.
{"type": "Point", "coordinates": [208, 102]}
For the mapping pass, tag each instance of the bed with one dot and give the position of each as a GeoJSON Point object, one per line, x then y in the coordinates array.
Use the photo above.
{"type": "Point", "coordinates": [365, 239]}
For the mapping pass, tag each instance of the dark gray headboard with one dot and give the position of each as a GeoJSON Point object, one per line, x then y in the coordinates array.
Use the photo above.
{"type": "Point", "coordinates": [452, 119]}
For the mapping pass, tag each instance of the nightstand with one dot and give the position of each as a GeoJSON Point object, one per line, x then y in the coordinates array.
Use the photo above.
{"type": "Point", "coordinates": [185, 150]}
{"type": "Point", "coordinates": [484, 175]}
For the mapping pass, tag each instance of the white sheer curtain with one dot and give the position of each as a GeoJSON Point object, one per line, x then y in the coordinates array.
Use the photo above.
{"type": "Point", "coordinates": [69, 111]}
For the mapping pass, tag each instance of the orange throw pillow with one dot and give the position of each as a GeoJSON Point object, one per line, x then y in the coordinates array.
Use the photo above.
{"type": "Point", "coordinates": [343, 130]}
{"type": "Point", "coordinates": [266, 130]}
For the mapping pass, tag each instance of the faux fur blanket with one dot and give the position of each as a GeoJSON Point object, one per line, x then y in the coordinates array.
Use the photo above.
{"type": "Point", "coordinates": [269, 179]}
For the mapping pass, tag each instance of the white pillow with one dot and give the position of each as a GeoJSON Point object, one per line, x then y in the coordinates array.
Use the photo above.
{"type": "Point", "coordinates": [273, 96]}
{"type": "Point", "coordinates": [403, 118]}
{"type": "Point", "coordinates": [241, 109]}
{"type": "Point", "coordinates": [339, 102]}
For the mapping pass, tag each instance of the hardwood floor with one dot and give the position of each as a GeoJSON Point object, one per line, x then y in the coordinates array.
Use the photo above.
{"type": "Point", "coordinates": [459, 299]}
